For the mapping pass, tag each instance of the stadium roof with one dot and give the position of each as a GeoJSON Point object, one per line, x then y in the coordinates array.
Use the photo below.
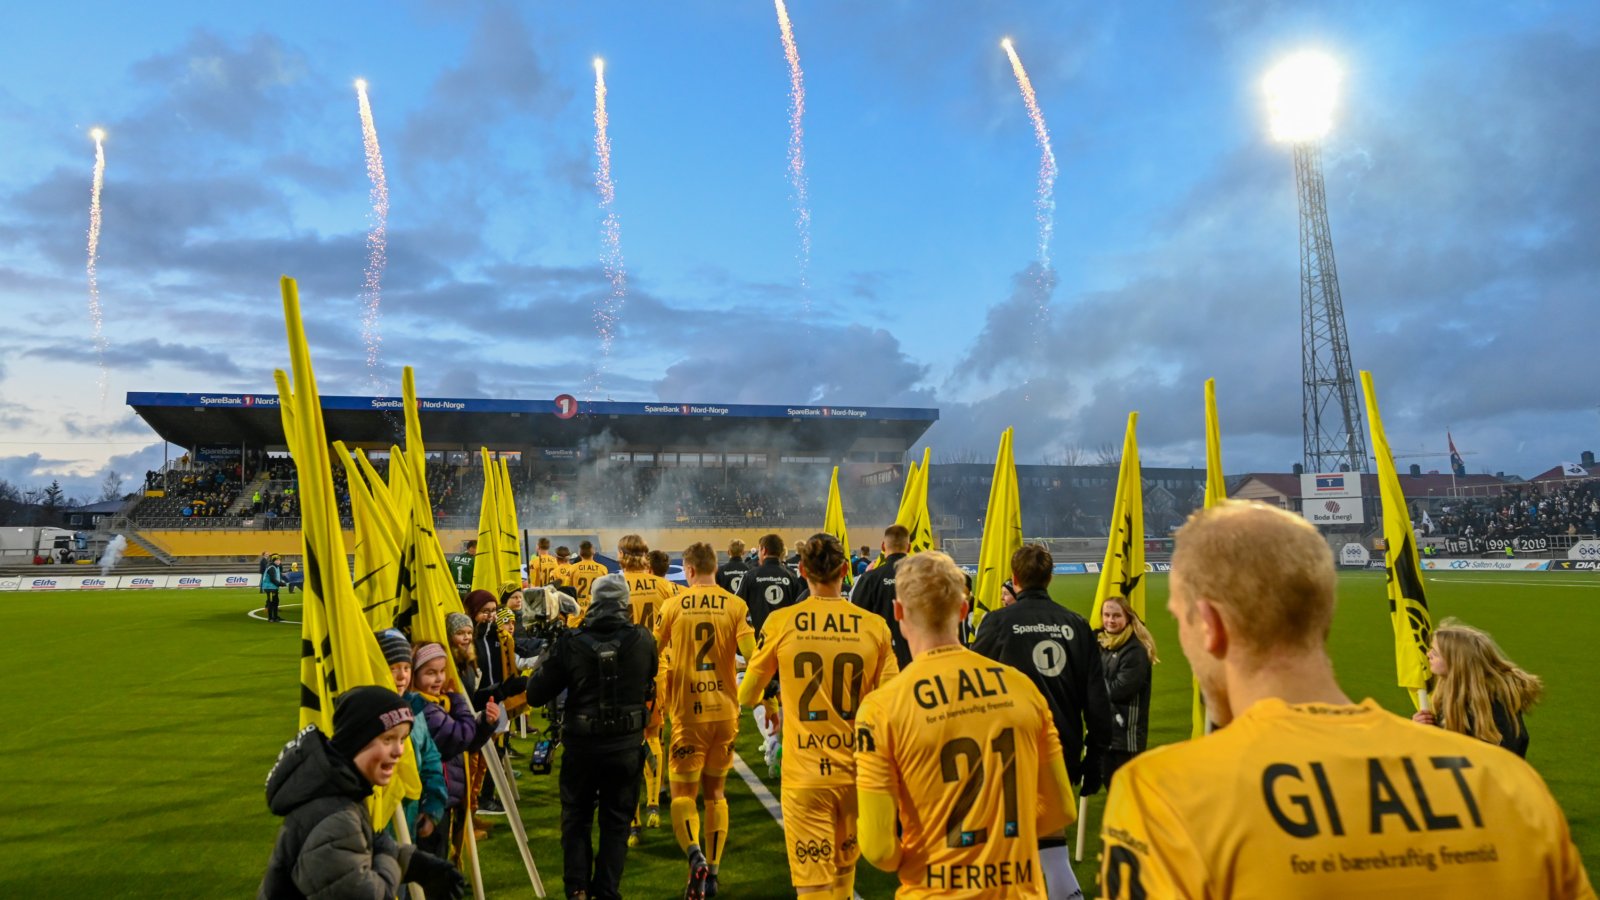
{"type": "Point", "coordinates": [220, 419]}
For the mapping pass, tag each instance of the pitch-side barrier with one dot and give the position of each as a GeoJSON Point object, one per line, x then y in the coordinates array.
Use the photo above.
{"type": "Point", "coordinates": [126, 582]}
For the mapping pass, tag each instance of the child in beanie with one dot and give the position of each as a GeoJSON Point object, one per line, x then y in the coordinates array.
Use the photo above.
{"type": "Point", "coordinates": [422, 814]}
{"type": "Point", "coordinates": [459, 627]}
{"type": "Point", "coordinates": [455, 730]}
{"type": "Point", "coordinates": [326, 848]}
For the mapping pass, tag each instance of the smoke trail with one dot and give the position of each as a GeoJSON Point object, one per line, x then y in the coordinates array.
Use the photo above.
{"type": "Point", "coordinates": [797, 146]}
{"type": "Point", "coordinates": [1045, 203]}
{"type": "Point", "coordinates": [608, 310]}
{"type": "Point", "coordinates": [377, 234]}
{"type": "Point", "coordinates": [116, 548]}
{"type": "Point", "coordinates": [96, 316]}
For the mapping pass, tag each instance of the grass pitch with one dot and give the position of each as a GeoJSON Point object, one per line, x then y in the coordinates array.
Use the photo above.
{"type": "Point", "coordinates": [142, 727]}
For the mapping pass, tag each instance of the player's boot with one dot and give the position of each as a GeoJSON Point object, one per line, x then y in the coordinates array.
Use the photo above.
{"type": "Point", "coordinates": [699, 873]}
{"type": "Point", "coordinates": [711, 885]}
{"type": "Point", "coordinates": [635, 835]}
{"type": "Point", "coordinates": [652, 818]}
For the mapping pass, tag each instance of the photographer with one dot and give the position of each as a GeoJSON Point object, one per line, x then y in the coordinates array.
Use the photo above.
{"type": "Point", "coordinates": [607, 666]}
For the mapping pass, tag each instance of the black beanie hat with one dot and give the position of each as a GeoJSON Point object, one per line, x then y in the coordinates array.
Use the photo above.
{"type": "Point", "coordinates": [361, 714]}
{"type": "Point", "coordinates": [396, 649]}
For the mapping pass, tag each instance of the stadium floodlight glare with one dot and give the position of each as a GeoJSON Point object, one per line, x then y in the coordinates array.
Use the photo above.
{"type": "Point", "coordinates": [1301, 93]}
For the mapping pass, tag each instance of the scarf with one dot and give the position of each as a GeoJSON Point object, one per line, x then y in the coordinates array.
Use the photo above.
{"type": "Point", "coordinates": [441, 701]}
{"type": "Point", "coordinates": [1111, 641]}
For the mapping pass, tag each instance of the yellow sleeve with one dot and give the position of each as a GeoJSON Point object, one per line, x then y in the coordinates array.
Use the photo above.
{"type": "Point", "coordinates": [877, 785]}
{"type": "Point", "coordinates": [663, 628]}
{"type": "Point", "coordinates": [762, 665]}
{"type": "Point", "coordinates": [875, 829]}
{"type": "Point", "coordinates": [747, 643]}
{"type": "Point", "coordinates": [891, 663]}
{"type": "Point", "coordinates": [1148, 851]}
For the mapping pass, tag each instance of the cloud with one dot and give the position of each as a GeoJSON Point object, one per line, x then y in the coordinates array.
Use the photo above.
{"type": "Point", "coordinates": [143, 354]}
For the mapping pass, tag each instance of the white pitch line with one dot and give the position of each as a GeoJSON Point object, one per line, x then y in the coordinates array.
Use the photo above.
{"type": "Point", "coordinates": [1540, 583]}
{"type": "Point", "coordinates": [262, 609]}
{"type": "Point", "coordinates": [761, 792]}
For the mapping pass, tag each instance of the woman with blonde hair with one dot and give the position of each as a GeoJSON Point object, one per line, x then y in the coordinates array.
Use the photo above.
{"type": "Point", "coordinates": [1127, 651]}
{"type": "Point", "coordinates": [1479, 692]}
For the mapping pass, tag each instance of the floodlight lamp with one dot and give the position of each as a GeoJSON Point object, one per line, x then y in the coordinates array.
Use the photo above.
{"type": "Point", "coordinates": [1302, 91]}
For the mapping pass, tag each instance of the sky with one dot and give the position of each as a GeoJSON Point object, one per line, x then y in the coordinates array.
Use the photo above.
{"type": "Point", "coordinates": [1461, 182]}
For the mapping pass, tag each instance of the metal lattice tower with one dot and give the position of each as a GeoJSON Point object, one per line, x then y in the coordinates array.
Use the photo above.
{"type": "Point", "coordinates": [1332, 424]}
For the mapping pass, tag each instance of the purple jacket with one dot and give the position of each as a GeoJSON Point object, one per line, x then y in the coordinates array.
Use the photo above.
{"type": "Point", "coordinates": [457, 733]}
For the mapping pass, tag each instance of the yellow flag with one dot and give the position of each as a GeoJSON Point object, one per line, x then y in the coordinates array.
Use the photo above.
{"type": "Point", "coordinates": [377, 556]}
{"type": "Point", "coordinates": [486, 563]}
{"type": "Point", "coordinates": [1216, 492]}
{"type": "Point", "coordinates": [833, 518]}
{"type": "Point", "coordinates": [339, 650]}
{"type": "Point", "coordinates": [510, 535]}
{"type": "Point", "coordinates": [905, 513]}
{"type": "Point", "coordinates": [921, 524]}
{"type": "Point", "coordinates": [1002, 531]}
{"type": "Point", "coordinates": [1122, 573]}
{"type": "Point", "coordinates": [1408, 602]}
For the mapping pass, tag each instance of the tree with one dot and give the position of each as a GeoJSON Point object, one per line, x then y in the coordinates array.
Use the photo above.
{"type": "Point", "coordinates": [1108, 454]}
{"type": "Point", "coordinates": [1067, 455]}
{"type": "Point", "coordinates": [53, 495]}
{"type": "Point", "coordinates": [111, 488]}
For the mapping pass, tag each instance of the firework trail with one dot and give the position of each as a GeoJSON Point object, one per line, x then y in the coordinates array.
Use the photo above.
{"type": "Point", "coordinates": [1045, 203]}
{"type": "Point", "coordinates": [91, 268]}
{"type": "Point", "coordinates": [377, 235]}
{"type": "Point", "coordinates": [609, 310]}
{"type": "Point", "coordinates": [797, 144]}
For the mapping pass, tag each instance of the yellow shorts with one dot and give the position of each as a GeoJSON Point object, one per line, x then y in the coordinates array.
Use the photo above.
{"type": "Point", "coordinates": [819, 831]}
{"type": "Point", "coordinates": [704, 749]}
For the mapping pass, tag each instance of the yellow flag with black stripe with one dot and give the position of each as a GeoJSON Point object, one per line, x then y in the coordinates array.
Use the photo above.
{"type": "Point", "coordinates": [1122, 573]}
{"type": "Point", "coordinates": [1002, 531]}
{"type": "Point", "coordinates": [486, 562]}
{"type": "Point", "coordinates": [338, 649]}
{"type": "Point", "coordinates": [1216, 493]}
{"type": "Point", "coordinates": [377, 556]}
{"type": "Point", "coordinates": [1409, 615]}
{"type": "Point", "coordinates": [921, 524]}
{"type": "Point", "coordinates": [833, 517]}
{"type": "Point", "coordinates": [510, 535]}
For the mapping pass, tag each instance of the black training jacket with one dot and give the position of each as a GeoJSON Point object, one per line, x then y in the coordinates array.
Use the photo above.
{"type": "Point", "coordinates": [1053, 646]}
{"type": "Point", "coordinates": [874, 591]}
{"type": "Point", "coordinates": [769, 586]}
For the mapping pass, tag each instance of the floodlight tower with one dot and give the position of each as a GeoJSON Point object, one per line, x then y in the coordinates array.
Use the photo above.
{"type": "Point", "coordinates": [1301, 92]}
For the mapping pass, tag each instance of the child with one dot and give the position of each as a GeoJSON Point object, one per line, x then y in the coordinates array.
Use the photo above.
{"type": "Point", "coordinates": [326, 848]}
{"type": "Point", "coordinates": [459, 627]}
{"type": "Point", "coordinates": [455, 730]}
{"type": "Point", "coordinates": [422, 814]}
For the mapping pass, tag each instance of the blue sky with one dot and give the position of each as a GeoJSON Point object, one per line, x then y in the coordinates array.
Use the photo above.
{"type": "Point", "coordinates": [1460, 177]}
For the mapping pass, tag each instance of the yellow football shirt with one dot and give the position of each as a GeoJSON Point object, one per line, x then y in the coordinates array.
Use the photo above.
{"type": "Point", "coordinates": [959, 741]}
{"type": "Point", "coordinates": [1321, 801]}
{"type": "Point", "coordinates": [584, 572]}
{"type": "Point", "coordinates": [702, 628]}
{"type": "Point", "coordinates": [828, 655]}
{"type": "Point", "coordinates": [541, 570]}
{"type": "Point", "coordinates": [647, 597]}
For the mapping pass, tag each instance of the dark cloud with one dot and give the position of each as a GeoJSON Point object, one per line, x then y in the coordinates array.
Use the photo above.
{"type": "Point", "coordinates": [142, 354]}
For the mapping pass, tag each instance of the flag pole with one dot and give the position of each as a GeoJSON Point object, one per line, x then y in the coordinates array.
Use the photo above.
{"type": "Point", "coordinates": [1083, 827]}
{"type": "Point", "coordinates": [471, 841]}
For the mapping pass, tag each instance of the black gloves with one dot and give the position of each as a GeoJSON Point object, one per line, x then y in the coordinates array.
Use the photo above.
{"type": "Point", "coordinates": [436, 876]}
{"type": "Point", "coordinates": [383, 844]}
{"type": "Point", "coordinates": [511, 687]}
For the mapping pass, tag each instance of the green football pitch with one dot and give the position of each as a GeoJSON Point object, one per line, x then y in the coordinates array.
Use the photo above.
{"type": "Point", "coordinates": [143, 725]}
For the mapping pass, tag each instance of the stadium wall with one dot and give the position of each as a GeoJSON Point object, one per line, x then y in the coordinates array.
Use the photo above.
{"type": "Point", "coordinates": [197, 543]}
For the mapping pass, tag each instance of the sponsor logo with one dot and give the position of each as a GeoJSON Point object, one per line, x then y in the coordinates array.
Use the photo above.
{"type": "Point", "coordinates": [1330, 484]}
{"type": "Point", "coordinates": [188, 581]}
{"type": "Point", "coordinates": [1157, 567]}
{"type": "Point", "coordinates": [90, 584]}
{"type": "Point", "coordinates": [805, 851]}
{"type": "Point", "coordinates": [43, 584]}
{"type": "Point", "coordinates": [142, 582]}
{"type": "Point", "coordinates": [10, 584]}
{"type": "Point", "coordinates": [238, 400]}
{"type": "Point", "coordinates": [1576, 565]}
{"type": "Point", "coordinates": [1584, 550]}
{"type": "Point", "coordinates": [1485, 565]}
{"type": "Point", "coordinates": [649, 408]}
{"type": "Point", "coordinates": [237, 581]}
{"type": "Point", "coordinates": [1354, 555]}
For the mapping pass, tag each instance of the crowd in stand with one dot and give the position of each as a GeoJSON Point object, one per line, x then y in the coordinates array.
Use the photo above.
{"type": "Point", "coordinates": [193, 492]}
{"type": "Point", "coordinates": [1569, 509]}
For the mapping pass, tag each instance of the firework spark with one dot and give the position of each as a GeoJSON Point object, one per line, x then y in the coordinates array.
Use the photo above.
{"type": "Point", "coordinates": [608, 310]}
{"type": "Point", "coordinates": [91, 268]}
{"type": "Point", "coordinates": [377, 234]}
{"type": "Point", "coordinates": [1045, 203]}
{"type": "Point", "coordinates": [797, 143]}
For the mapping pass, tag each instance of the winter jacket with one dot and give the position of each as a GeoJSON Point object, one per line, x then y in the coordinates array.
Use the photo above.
{"type": "Point", "coordinates": [731, 574]}
{"type": "Point", "coordinates": [1054, 647]}
{"type": "Point", "coordinates": [594, 722]}
{"type": "Point", "coordinates": [486, 644]}
{"type": "Point", "coordinates": [1127, 673]}
{"type": "Point", "coordinates": [435, 794]}
{"type": "Point", "coordinates": [874, 591]}
{"type": "Point", "coordinates": [326, 849]}
{"type": "Point", "coordinates": [770, 586]}
{"type": "Point", "coordinates": [455, 733]}
{"type": "Point", "coordinates": [272, 578]}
